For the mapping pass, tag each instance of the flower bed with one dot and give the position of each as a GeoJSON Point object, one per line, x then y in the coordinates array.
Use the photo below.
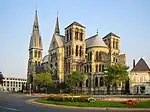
{"type": "Point", "coordinates": [69, 98]}
{"type": "Point", "coordinates": [131, 102]}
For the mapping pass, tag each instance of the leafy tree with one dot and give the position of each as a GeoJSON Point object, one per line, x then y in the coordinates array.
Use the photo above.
{"type": "Point", "coordinates": [115, 74]}
{"type": "Point", "coordinates": [1, 78]}
{"type": "Point", "coordinates": [73, 78]}
{"type": "Point", "coordinates": [43, 79]}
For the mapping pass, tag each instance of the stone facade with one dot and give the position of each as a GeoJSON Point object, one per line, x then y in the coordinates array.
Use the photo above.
{"type": "Point", "coordinates": [74, 52]}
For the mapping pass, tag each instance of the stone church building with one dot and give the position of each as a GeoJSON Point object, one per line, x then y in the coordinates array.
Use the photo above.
{"type": "Point", "coordinates": [74, 52]}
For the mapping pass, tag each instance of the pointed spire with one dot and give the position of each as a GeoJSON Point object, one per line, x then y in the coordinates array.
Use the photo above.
{"type": "Point", "coordinates": [35, 41]}
{"type": "Point", "coordinates": [97, 31]}
{"type": "Point", "coordinates": [57, 26]}
{"type": "Point", "coordinates": [35, 25]}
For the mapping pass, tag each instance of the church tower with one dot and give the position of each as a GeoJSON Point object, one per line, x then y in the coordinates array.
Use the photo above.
{"type": "Point", "coordinates": [35, 50]}
{"type": "Point", "coordinates": [74, 47]}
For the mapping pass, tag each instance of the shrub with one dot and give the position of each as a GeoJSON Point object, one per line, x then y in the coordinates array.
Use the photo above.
{"type": "Point", "coordinates": [69, 98]}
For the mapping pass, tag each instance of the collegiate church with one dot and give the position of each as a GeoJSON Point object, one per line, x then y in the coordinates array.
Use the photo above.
{"type": "Point", "coordinates": [74, 52]}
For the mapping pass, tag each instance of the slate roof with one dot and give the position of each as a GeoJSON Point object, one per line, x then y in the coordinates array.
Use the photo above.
{"type": "Point", "coordinates": [39, 69]}
{"type": "Point", "coordinates": [95, 41]}
{"type": "Point", "coordinates": [111, 34]}
{"type": "Point", "coordinates": [59, 40]}
{"type": "Point", "coordinates": [75, 23]}
{"type": "Point", "coordinates": [45, 59]}
{"type": "Point", "coordinates": [141, 66]}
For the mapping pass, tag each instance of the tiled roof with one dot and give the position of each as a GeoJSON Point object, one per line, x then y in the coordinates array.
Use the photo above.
{"type": "Point", "coordinates": [95, 41]}
{"type": "Point", "coordinates": [111, 34]}
{"type": "Point", "coordinates": [75, 23]}
{"type": "Point", "coordinates": [141, 66]}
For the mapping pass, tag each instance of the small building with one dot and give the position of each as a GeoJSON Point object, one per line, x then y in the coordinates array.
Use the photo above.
{"type": "Point", "coordinates": [140, 78]}
{"type": "Point", "coordinates": [13, 84]}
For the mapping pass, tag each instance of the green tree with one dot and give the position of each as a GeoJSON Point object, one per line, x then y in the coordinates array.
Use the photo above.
{"type": "Point", "coordinates": [115, 74]}
{"type": "Point", "coordinates": [1, 78]}
{"type": "Point", "coordinates": [73, 78]}
{"type": "Point", "coordinates": [43, 80]}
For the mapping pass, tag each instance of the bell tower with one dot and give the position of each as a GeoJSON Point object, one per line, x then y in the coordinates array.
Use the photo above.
{"type": "Point", "coordinates": [74, 47]}
{"type": "Point", "coordinates": [35, 50]}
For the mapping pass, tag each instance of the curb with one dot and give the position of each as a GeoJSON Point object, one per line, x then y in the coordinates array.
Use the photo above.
{"type": "Point", "coordinates": [32, 101]}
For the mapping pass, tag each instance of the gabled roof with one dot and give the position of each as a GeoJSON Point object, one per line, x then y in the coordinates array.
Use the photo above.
{"type": "Point", "coordinates": [95, 41]}
{"type": "Point", "coordinates": [140, 66]}
{"type": "Point", "coordinates": [75, 23]}
{"type": "Point", "coordinates": [111, 34]}
{"type": "Point", "coordinates": [58, 42]}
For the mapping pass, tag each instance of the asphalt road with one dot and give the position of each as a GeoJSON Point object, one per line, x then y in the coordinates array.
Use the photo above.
{"type": "Point", "coordinates": [11, 102]}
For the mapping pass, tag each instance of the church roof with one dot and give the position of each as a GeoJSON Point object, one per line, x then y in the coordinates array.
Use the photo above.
{"type": "Point", "coordinates": [111, 34]}
{"type": "Point", "coordinates": [75, 23]}
{"type": "Point", "coordinates": [140, 66]}
{"type": "Point", "coordinates": [39, 69]}
{"type": "Point", "coordinates": [58, 39]}
{"type": "Point", "coordinates": [45, 59]}
{"type": "Point", "coordinates": [95, 41]}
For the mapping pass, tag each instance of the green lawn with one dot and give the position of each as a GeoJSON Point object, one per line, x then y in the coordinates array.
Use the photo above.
{"type": "Point", "coordinates": [142, 104]}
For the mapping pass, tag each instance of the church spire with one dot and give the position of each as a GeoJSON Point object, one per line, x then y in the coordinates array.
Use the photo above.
{"type": "Point", "coordinates": [35, 41]}
{"type": "Point", "coordinates": [57, 26]}
{"type": "Point", "coordinates": [35, 25]}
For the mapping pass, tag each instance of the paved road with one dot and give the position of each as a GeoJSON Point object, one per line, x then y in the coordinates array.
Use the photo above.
{"type": "Point", "coordinates": [10, 102]}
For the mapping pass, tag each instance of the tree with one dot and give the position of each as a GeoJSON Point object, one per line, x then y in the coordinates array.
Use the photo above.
{"type": "Point", "coordinates": [115, 74]}
{"type": "Point", "coordinates": [1, 78]}
{"type": "Point", "coordinates": [73, 78]}
{"type": "Point", "coordinates": [43, 79]}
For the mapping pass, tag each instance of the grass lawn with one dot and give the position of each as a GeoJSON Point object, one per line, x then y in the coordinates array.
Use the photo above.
{"type": "Point", "coordinates": [142, 104]}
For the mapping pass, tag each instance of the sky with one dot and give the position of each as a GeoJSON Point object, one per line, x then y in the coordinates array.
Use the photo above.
{"type": "Point", "coordinates": [129, 19]}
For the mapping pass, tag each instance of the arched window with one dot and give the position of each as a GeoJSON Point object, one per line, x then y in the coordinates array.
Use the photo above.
{"type": "Point", "coordinates": [96, 81]}
{"type": "Point", "coordinates": [80, 84]}
{"type": "Point", "coordinates": [35, 53]}
{"type": "Point", "coordinates": [80, 51]}
{"type": "Point", "coordinates": [100, 55]}
{"type": "Point", "coordinates": [116, 45]}
{"type": "Point", "coordinates": [96, 68]}
{"type": "Point", "coordinates": [77, 50]}
{"type": "Point", "coordinates": [81, 36]}
{"type": "Point", "coordinates": [113, 43]}
{"type": "Point", "coordinates": [67, 36]}
{"type": "Point", "coordinates": [101, 81]}
{"type": "Point", "coordinates": [39, 54]}
{"type": "Point", "coordinates": [76, 34]}
{"type": "Point", "coordinates": [90, 68]}
{"type": "Point", "coordinates": [70, 34]}
{"type": "Point", "coordinates": [96, 55]}
{"type": "Point", "coordinates": [84, 69]}
{"type": "Point", "coordinates": [90, 56]}
{"type": "Point", "coordinates": [87, 83]}
{"type": "Point", "coordinates": [69, 50]}
{"type": "Point", "coordinates": [103, 68]}
{"type": "Point", "coordinates": [100, 68]}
